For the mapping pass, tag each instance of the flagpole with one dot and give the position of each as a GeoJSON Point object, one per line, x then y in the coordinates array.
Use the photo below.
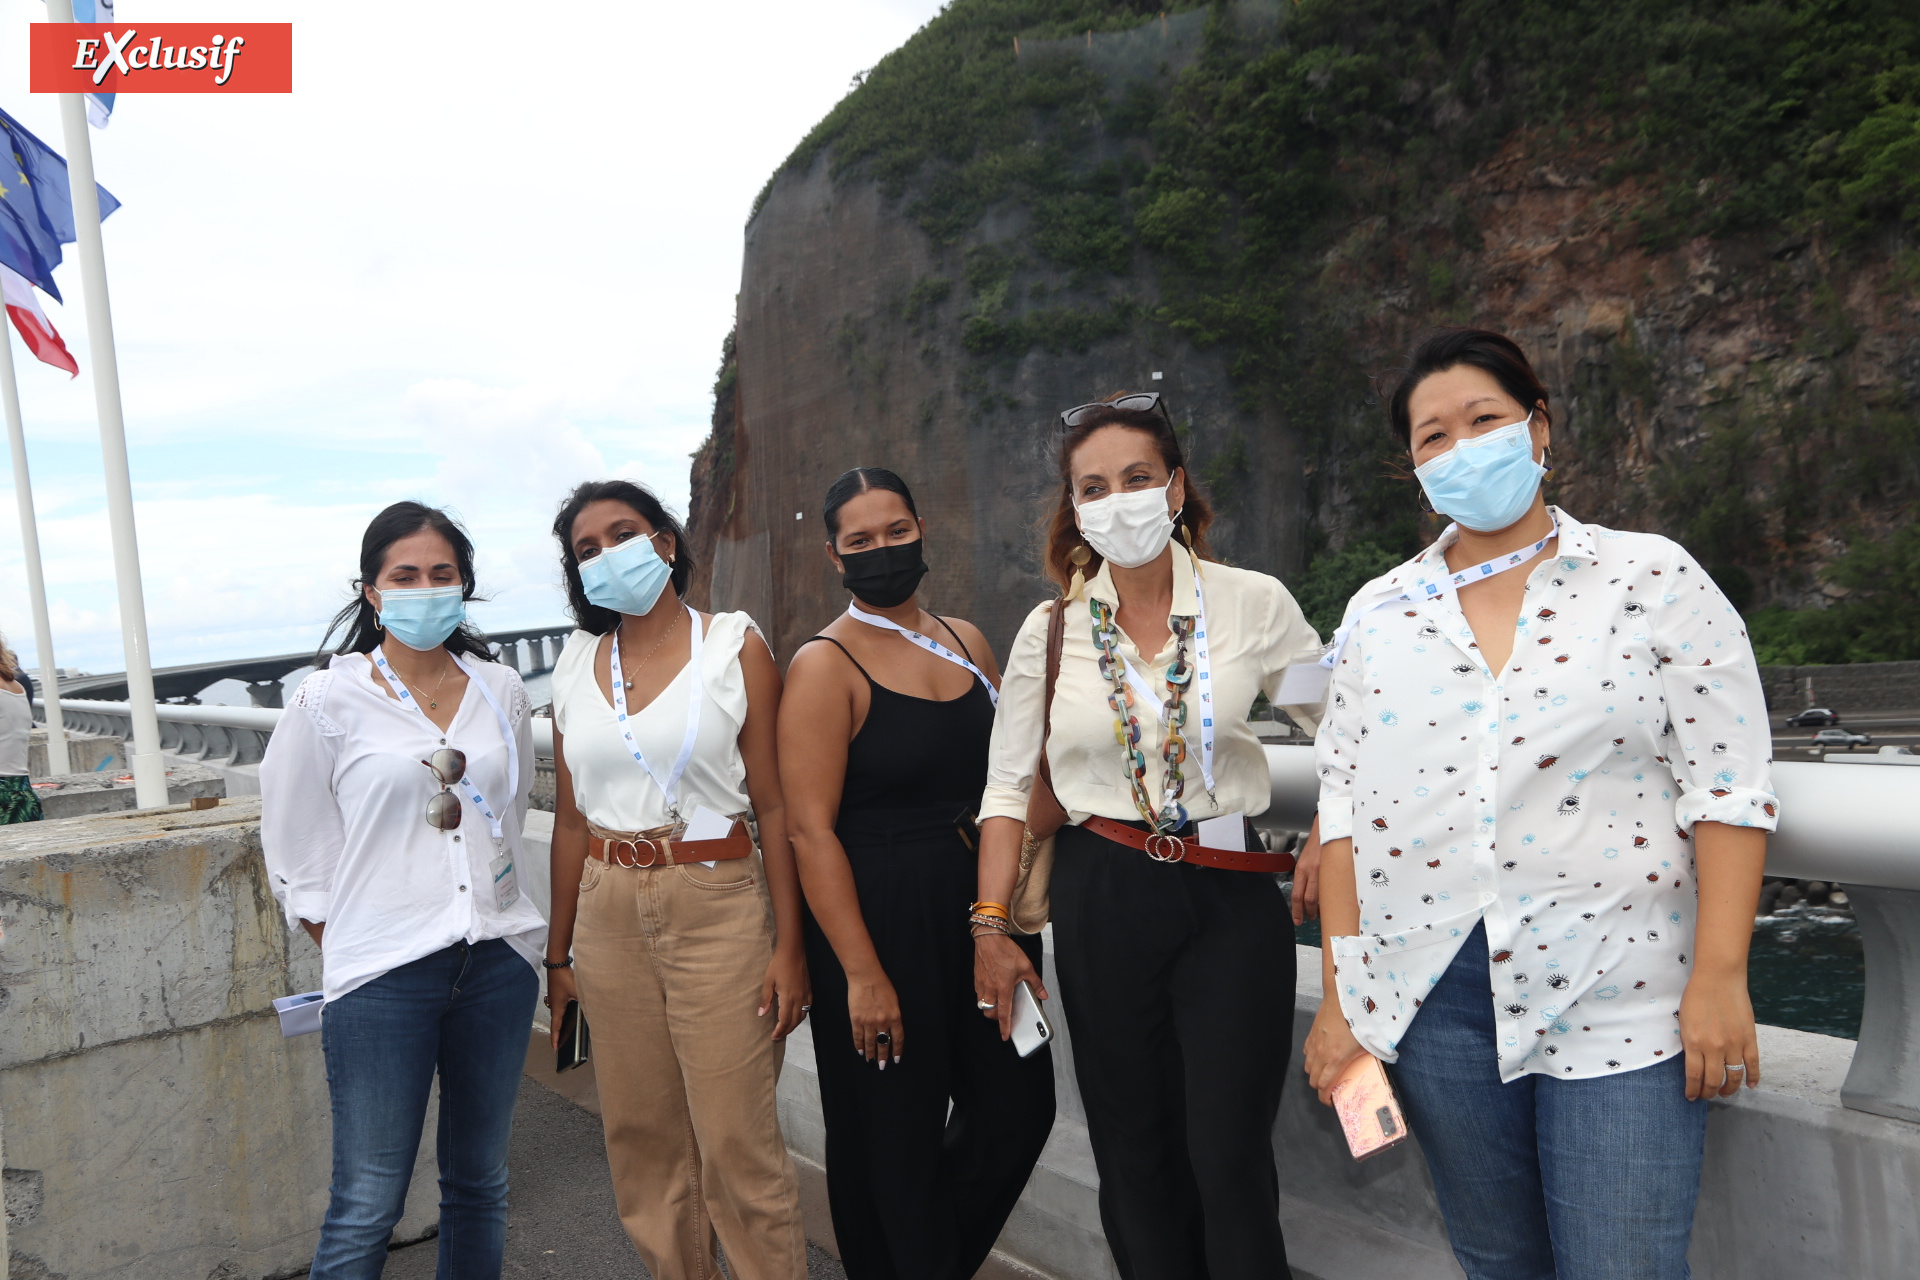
{"type": "Point", "coordinates": [30, 543]}
{"type": "Point", "coordinates": [149, 770]}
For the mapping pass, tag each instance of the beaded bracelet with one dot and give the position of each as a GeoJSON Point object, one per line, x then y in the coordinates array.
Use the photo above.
{"type": "Point", "coordinates": [999, 924]}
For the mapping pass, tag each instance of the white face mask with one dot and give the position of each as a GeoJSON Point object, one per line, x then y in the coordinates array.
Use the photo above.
{"type": "Point", "coordinates": [1127, 529]}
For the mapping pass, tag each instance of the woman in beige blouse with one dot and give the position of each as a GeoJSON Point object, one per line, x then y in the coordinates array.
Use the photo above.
{"type": "Point", "coordinates": [1173, 940]}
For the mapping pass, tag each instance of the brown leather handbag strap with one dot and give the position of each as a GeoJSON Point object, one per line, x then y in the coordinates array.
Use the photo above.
{"type": "Point", "coordinates": [1056, 636]}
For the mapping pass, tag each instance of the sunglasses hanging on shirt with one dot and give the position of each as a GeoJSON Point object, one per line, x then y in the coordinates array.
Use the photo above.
{"type": "Point", "coordinates": [448, 765]}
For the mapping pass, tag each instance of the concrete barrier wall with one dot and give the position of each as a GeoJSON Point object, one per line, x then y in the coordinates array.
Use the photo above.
{"type": "Point", "coordinates": [1850, 689]}
{"type": "Point", "coordinates": [157, 1124]}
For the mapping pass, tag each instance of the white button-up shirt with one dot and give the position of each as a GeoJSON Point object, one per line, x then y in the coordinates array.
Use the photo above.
{"type": "Point", "coordinates": [344, 829]}
{"type": "Point", "coordinates": [1553, 800]}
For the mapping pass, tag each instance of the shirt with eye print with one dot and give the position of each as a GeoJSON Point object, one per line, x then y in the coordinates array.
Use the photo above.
{"type": "Point", "coordinates": [1554, 800]}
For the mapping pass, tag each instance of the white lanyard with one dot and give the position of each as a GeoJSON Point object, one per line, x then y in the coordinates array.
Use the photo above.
{"type": "Point", "coordinates": [1203, 681]}
{"type": "Point", "coordinates": [931, 645]}
{"type": "Point", "coordinates": [695, 695]}
{"type": "Point", "coordinates": [1432, 590]}
{"type": "Point", "coordinates": [406, 697]}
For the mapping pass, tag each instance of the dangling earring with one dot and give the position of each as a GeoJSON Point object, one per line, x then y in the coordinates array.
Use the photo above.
{"type": "Point", "coordinates": [1546, 457]}
{"type": "Point", "coordinates": [1080, 556]}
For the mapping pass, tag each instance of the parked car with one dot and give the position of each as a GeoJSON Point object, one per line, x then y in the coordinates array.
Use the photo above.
{"type": "Point", "coordinates": [1812, 717]}
{"type": "Point", "coordinates": [1841, 738]}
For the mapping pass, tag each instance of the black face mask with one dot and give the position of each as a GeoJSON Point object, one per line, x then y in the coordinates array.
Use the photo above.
{"type": "Point", "coordinates": [884, 576]}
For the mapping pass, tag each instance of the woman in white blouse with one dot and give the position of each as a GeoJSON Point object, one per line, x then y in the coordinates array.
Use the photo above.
{"type": "Point", "coordinates": [1172, 937]}
{"type": "Point", "coordinates": [1544, 802]}
{"type": "Point", "coordinates": [392, 795]}
{"type": "Point", "coordinates": [677, 931]}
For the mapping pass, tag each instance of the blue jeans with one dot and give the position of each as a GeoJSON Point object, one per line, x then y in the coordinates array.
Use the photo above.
{"type": "Point", "coordinates": [1546, 1179]}
{"type": "Point", "coordinates": [466, 1012]}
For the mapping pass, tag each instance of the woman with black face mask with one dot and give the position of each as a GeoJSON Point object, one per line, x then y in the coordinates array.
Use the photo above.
{"type": "Point", "coordinates": [883, 758]}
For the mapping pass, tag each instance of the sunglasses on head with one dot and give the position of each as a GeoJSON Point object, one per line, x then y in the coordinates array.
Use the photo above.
{"type": "Point", "coordinates": [1138, 401]}
{"type": "Point", "coordinates": [448, 766]}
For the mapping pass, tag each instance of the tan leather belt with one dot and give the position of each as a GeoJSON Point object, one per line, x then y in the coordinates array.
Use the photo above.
{"type": "Point", "coordinates": [659, 848]}
{"type": "Point", "coordinates": [1188, 849]}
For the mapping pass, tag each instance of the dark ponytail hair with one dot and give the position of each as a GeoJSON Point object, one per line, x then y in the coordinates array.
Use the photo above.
{"type": "Point", "coordinates": [1063, 534]}
{"type": "Point", "coordinates": [851, 484]}
{"type": "Point", "coordinates": [1492, 353]}
{"type": "Point", "coordinates": [362, 620]}
{"type": "Point", "coordinates": [591, 617]}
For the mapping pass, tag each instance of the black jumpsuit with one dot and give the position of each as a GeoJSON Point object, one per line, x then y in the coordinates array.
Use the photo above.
{"type": "Point", "coordinates": [926, 1159]}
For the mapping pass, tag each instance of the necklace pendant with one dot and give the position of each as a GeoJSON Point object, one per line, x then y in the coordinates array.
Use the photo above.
{"type": "Point", "coordinates": [629, 684]}
{"type": "Point", "coordinates": [433, 706]}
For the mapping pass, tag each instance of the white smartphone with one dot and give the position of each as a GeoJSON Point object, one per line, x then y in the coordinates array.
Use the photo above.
{"type": "Point", "coordinates": [1030, 1026]}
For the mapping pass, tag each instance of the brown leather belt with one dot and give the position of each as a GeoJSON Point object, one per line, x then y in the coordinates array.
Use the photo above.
{"type": "Point", "coordinates": [1188, 849]}
{"type": "Point", "coordinates": [659, 848]}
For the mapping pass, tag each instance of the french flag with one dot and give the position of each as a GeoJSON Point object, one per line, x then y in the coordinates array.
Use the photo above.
{"type": "Point", "coordinates": [24, 310]}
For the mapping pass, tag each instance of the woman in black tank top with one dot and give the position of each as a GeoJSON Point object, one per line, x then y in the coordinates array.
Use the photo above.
{"type": "Point", "coordinates": [883, 753]}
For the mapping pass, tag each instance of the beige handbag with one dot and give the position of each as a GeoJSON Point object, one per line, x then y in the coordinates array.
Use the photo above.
{"type": "Point", "coordinates": [1045, 816]}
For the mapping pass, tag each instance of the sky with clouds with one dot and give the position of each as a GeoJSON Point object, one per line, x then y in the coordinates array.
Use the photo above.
{"type": "Point", "coordinates": [482, 252]}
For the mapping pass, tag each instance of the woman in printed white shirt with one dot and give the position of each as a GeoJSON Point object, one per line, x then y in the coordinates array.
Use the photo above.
{"type": "Point", "coordinates": [676, 929]}
{"type": "Point", "coordinates": [1544, 802]}
{"type": "Point", "coordinates": [392, 796]}
{"type": "Point", "coordinates": [1173, 940]}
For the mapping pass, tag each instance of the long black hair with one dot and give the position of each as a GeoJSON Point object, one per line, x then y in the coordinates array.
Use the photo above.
{"type": "Point", "coordinates": [362, 620]}
{"type": "Point", "coordinates": [851, 484]}
{"type": "Point", "coordinates": [591, 617]}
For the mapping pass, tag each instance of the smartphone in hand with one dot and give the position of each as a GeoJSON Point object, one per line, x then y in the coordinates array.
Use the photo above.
{"type": "Point", "coordinates": [1368, 1111]}
{"type": "Point", "coordinates": [1031, 1027]}
{"type": "Point", "coordinates": [575, 1041]}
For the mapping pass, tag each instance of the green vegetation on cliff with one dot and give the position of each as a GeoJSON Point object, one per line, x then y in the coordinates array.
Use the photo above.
{"type": "Point", "coordinates": [1285, 165]}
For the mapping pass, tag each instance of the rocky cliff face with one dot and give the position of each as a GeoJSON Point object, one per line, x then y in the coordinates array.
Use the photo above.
{"type": "Point", "coordinates": [1751, 392]}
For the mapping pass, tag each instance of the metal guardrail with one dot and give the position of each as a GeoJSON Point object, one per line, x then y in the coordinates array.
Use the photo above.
{"type": "Point", "coordinates": [230, 735]}
{"type": "Point", "coordinates": [533, 649]}
{"type": "Point", "coordinates": [227, 735]}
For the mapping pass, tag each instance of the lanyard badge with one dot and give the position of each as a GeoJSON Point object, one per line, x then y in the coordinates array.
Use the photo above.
{"type": "Point", "coordinates": [669, 783]}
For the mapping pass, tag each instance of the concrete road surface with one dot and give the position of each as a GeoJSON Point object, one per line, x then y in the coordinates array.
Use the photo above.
{"type": "Point", "coordinates": [561, 1223]}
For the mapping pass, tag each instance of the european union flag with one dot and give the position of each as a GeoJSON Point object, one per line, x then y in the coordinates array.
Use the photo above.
{"type": "Point", "coordinates": [36, 205]}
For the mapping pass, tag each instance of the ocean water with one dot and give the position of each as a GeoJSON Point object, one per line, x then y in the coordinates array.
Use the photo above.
{"type": "Point", "coordinates": [1805, 970]}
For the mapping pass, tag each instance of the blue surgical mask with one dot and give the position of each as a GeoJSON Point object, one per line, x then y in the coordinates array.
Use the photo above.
{"type": "Point", "coordinates": [1488, 482]}
{"type": "Point", "coordinates": [627, 579]}
{"type": "Point", "coordinates": [423, 618]}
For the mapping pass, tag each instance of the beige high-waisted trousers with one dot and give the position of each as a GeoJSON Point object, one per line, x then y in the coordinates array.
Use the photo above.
{"type": "Point", "coordinates": [669, 963]}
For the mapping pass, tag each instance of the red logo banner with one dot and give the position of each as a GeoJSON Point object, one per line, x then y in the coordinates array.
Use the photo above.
{"type": "Point", "coordinates": [162, 57]}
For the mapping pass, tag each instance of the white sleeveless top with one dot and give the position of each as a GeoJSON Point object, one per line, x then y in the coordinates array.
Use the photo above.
{"type": "Point", "coordinates": [16, 723]}
{"type": "Point", "coordinates": [610, 788]}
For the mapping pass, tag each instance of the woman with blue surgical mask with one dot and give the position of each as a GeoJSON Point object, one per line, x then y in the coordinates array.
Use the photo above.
{"type": "Point", "coordinates": [1544, 801]}
{"type": "Point", "coordinates": [392, 797]}
{"type": "Point", "coordinates": [676, 905]}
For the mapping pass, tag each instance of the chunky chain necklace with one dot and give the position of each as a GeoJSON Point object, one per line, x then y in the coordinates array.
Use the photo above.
{"type": "Point", "coordinates": [1171, 815]}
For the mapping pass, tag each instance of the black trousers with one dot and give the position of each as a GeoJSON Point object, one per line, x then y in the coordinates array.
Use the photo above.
{"type": "Point", "coordinates": [926, 1159]}
{"type": "Point", "coordinates": [1177, 985]}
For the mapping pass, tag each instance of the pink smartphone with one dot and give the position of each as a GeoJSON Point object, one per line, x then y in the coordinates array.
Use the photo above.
{"type": "Point", "coordinates": [1368, 1111]}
